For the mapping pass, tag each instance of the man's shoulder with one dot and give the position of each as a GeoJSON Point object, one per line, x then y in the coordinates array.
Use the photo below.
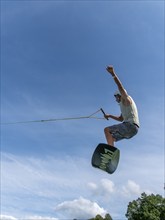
{"type": "Point", "coordinates": [126, 100]}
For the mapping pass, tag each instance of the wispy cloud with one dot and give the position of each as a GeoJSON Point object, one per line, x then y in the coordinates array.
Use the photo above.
{"type": "Point", "coordinates": [103, 188]}
{"type": "Point", "coordinates": [36, 217]}
{"type": "Point", "coordinates": [8, 217]}
{"type": "Point", "coordinates": [53, 184]}
{"type": "Point", "coordinates": [131, 188]}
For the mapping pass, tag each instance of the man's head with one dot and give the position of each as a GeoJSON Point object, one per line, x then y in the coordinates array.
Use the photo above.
{"type": "Point", "coordinates": [117, 96]}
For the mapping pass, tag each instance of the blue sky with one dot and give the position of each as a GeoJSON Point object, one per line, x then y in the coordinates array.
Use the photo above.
{"type": "Point", "coordinates": [53, 60]}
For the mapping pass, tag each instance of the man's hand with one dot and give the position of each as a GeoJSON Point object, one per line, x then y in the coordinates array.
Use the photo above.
{"type": "Point", "coordinates": [106, 116]}
{"type": "Point", "coordinates": [110, 70]}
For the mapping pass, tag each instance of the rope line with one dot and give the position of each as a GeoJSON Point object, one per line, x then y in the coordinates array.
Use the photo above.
{"type": "Point", "coordinates": [56, 119]}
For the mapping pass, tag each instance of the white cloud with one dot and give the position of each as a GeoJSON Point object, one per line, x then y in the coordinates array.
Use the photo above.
{"type": "Point", "coordinates": [131, 188]}
{"type": "Point", "coordinates": [134, 189]}
{"type": "Point", "coordinates": [40, 218]}
{"type": "Point", "coordinates": [93, 186]}
{"type": "Point", "coordinates": [103, 188]}
{"type": "Point", "coordinates": [107, 185]}
{"type": "Point", "coordinates": [80, 208]}
{"type": "Point", "coordinates": [7, 217]}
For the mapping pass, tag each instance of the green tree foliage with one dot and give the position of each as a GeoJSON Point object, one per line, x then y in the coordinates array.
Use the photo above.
{"type": "Point", "coordinates": [151, 207]}
{"type": "Point", "coordinates": [99, 217]}
{"type": "Point", "coordinates": [107, 217]}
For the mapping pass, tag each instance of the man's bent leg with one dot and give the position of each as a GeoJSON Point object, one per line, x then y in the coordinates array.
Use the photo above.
{"type": "Point", "coordinates": [109, 138]}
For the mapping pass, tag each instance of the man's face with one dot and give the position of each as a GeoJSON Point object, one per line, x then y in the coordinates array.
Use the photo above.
{"type": "Point", "coordinates": [118, 98]}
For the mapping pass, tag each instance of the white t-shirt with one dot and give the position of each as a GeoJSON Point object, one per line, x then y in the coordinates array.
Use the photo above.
{"type": "Point", "coordinates": [130, 113]}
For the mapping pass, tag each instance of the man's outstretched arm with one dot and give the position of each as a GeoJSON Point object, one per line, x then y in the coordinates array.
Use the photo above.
{"type": "Point", "coordinates": [122, 91]}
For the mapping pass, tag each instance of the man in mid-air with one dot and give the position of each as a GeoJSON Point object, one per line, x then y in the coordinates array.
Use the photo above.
{"type": "Point", "coordinates": [129, 114]}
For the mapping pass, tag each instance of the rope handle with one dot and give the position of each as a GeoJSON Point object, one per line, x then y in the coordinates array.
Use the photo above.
{"type": "Point", "coordinates": [104, 113]}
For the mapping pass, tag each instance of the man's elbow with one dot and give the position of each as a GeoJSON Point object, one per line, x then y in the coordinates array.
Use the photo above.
{"type": "Point", "coordinates": [121, 118]}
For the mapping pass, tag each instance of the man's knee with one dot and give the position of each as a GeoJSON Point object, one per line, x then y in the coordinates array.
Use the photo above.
{"type": "Point", "coordinates": [106, 130]}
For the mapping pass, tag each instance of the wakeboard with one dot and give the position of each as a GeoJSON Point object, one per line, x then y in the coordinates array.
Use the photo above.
{"type": "Point", "coordinates": [106, 158]}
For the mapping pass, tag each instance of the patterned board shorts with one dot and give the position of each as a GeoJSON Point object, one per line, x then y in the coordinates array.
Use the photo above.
{"type": "Point", "coordinates": [123, 130]}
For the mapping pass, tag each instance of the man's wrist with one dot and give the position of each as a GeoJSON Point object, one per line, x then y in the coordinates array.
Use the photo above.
{"type": "Point", "coordinates": [113, 74]}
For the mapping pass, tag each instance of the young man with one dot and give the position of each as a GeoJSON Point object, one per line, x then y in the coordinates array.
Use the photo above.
{"type": "Point", "coordinates": [129, 115]}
